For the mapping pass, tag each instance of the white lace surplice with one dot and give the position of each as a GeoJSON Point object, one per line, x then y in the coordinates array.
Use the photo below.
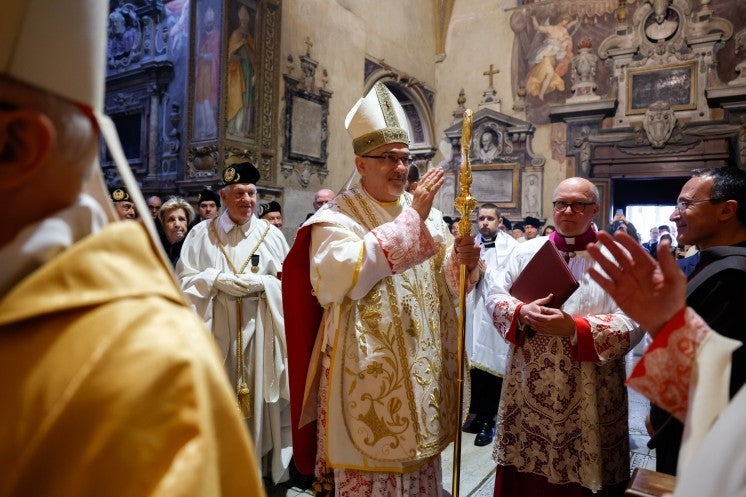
{"type": "Point", "coordinates": [559, 417]}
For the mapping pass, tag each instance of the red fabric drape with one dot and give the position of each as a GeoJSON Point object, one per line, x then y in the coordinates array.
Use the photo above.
{"type": "Point", "coordinates": [302, 318]}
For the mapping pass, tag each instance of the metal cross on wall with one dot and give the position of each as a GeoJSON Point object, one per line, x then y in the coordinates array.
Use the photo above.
{"type": "Point", "coordinates": [491, 73]}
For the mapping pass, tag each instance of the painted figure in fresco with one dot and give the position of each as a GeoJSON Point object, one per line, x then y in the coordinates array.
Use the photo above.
{"type": "Point", "coordinates": [551, 60]}
{"type": "Point", "coordinates": [207, 74]}
{"type": "Point", "coordinates": [177, 20]}
{"type": "Point", "coordinates": [241, 75]}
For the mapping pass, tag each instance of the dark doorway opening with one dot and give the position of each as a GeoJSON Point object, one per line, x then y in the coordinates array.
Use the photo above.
{"type": "Point", "coordinates": [646, 203]}
{"type": "Point", "coordinates": [649, 191]}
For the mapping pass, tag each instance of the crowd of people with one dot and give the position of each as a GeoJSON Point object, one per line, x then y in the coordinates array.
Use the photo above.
{"type": "Point", "coordinates": [238, 357]}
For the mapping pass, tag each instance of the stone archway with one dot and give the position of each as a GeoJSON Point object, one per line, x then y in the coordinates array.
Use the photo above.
{"type": "Point", "coordinates": [417, 101]}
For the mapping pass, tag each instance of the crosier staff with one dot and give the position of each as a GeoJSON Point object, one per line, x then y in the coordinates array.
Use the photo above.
{"type": "Point", "coordinates": [464, 203]}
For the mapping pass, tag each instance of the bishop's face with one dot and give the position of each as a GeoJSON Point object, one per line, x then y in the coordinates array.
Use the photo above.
{"type": "Point", "coordinates": [384, 178]}
{"type": "Point", "coordinates": [581, 207]}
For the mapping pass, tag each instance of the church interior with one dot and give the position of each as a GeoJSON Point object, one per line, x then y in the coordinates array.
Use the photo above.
{"type": "Point", "coordinates": [632, 94]}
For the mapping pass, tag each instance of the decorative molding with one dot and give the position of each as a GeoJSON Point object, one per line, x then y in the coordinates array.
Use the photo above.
{"type": "Point", "coordinates": [303, 171]}
{"type": "Point", "coordinates": [443, 10]}
{"type": "Point", "coordinates": [202, 162]}
{"type": "Point", "coordinates": [270, 76]}
{"type": "Point", "coordinates": [513, 152]}
{"type": "Point", "coordinates": [306, 121]}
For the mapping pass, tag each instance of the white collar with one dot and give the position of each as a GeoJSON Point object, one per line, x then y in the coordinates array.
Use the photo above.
{"type": "Point", "coordinates": [226, 224]}
{"type": "Point", "coordinates": [39, 243]}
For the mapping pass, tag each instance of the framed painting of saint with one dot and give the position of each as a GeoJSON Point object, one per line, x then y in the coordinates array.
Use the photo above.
{"type": "Point", "coordinates": [241, 70]}
{"type": "Point", "coordinates": [206, 71]}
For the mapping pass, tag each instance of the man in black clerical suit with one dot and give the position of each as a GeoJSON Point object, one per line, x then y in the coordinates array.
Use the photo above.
{"type": "Point", "coordinates": [710, 213]}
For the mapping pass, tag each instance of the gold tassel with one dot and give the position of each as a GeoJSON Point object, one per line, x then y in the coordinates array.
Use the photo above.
{"type": "Point", "coordinates": [244, 400]}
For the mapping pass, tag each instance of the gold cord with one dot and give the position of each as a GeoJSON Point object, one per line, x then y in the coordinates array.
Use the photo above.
{"type": "Point", "coordinates": [225, 254]}
{"type": "Point", "coordinates": [243, 394]}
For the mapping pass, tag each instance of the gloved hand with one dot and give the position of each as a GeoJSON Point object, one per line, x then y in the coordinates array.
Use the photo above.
{"type": "Point", "coordinates": [252, 282]}
{"type": "Point", "coordinates": [231, 284]}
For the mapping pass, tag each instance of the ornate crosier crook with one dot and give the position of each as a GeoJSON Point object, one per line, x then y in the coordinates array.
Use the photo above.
{"type": "Point", "coordinates": [465, 203]}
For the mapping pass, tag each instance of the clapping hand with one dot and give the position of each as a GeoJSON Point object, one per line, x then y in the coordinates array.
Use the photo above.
{"type": "Point", "coordinates": [650, 292]}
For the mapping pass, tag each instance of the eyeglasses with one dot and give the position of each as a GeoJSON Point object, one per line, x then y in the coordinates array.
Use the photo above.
{"type": "Point", "coordinates": [393, 159]}
{"type": "Point", "coordinates": [154, 207]}
{"type": "Point", "coordinates": [561, 205]}
{"type": "Point", "coordinates": [683, 205]}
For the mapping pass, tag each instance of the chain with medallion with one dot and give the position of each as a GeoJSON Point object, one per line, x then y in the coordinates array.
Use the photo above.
{"type": "Point", "coordinates": [254, 267]}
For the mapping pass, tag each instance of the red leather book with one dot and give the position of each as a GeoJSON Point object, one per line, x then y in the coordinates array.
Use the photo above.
{"type": "Point", "coordinates": [647, 483]}
{"type": "Point", "coordinates": [545, 273]}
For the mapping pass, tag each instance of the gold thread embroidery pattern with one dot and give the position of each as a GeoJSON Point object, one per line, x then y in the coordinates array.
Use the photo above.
{"type": "Point", "coordinates": [375, 139]}
{"type": "Point", "coordinates": [387, 106]}
{"type": "Point", "coordinates": [392, 382]}
{"type": "Point", "coordinates": [383, 414]}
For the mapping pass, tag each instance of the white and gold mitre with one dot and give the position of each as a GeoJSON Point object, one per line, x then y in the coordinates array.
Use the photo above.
{"type": "Point", "coordinates": [59, 47]}
{"type": "Point", "coordinates": [56, 46]}
{"type": "Point", "coordinates": [377, 119]}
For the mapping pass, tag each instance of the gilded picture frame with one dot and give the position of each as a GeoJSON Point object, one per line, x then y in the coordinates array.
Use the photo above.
{"type": "Point", "coordinates": [247, 91]}
{"type": "Point", "coordinates": [678, 82]}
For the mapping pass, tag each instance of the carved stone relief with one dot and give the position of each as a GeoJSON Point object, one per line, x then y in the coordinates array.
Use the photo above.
{"type": "Point", "coordinates": [125, 43]}
{"type": "Point", "coordinates": [202, 163]}
{"type": "Point", "coordinates": [664, 36]}
{"type": "Point", "coordinates": [306, 126]}
{"type": "Point", "coordinates": [583, 73]}
{"type": "Point", "coordinates": [666, 48]}
{"type": "Point", "coordinates": [659, 123]}
{"type": "Point", "coordinates": [505, 169]}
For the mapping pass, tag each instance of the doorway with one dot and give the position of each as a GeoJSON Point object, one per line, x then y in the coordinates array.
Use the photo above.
{"type": "Point", "coordinates": [647, 191]}
{"type": "Point", "coordinates": [646, 202]}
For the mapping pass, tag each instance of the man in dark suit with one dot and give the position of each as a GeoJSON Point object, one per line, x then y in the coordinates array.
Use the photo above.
{"type": "Point", "coordinates": [652, 244]}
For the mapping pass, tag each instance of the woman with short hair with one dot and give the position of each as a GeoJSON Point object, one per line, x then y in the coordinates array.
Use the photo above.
{"type": "Point", "coordinates": [175, 214]}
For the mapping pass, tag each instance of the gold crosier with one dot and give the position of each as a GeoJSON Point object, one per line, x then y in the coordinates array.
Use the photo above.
{"type": "Point", "coordinates": [243, 396]}
{"type": "Point", "coordinates": [464, 203]}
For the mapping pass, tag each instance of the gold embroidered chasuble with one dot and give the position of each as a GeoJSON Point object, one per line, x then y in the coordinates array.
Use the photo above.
{"type": "Point", "coordinates": [392, 353]}
{"type": "Point", "coordinates": [111, 384]}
